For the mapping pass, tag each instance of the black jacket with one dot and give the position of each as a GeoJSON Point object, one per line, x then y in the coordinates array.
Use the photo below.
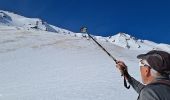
{"type": "Point", "coordinates": [153, 91]}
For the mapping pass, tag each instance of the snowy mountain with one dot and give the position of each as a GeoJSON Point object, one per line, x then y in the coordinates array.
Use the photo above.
{"type": "Point", "coordinates": [127, 41]}
{"type": "Point", "coordinates": [11, 19]}
{"type": "Point", "coordinates": [38, 64]}
{"type": "Point", "coordinates": [124, 40]}
{"type": "Point", "coordinates": [121, 39]}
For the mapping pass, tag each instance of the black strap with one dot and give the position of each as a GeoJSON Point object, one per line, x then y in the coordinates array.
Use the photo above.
{"type": "Point", "coordinates": [126, 74]}
{"type": "Point", "coordinates": [125, 83]}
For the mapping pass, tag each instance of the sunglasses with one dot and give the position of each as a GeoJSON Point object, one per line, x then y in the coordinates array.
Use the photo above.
{"type": "Point", "coordinates": [143, 63]}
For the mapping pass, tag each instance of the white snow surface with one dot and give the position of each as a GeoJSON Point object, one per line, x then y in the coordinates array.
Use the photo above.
{"type": "Point", "coordinates": [39, 65]}
{"type": "Point", "coordinates": [36, 64]}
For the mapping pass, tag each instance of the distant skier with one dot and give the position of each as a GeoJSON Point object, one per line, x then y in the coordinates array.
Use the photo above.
{"type": "Point", "coordinates": [155, 74]}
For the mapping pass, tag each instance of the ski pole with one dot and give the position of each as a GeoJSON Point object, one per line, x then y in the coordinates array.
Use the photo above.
{"type": "Point", "coordinates": [102, 48]}
{"type": "Point", "coordinates": [114, 59]}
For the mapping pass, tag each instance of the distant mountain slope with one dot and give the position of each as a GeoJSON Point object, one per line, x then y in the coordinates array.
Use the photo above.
{"type": "Point", "coordinates": [121, 39]}
{"type": "Point", "coordinates": [11, 19]}
{"type": "Point", "coordinates": [129, 42]}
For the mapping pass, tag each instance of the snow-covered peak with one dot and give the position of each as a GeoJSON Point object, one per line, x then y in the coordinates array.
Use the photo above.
{"type": "Point", "coordinates": [124, 40]}
{"type": "Point", "coordinates": [12, 19]}
{"type": "Point", "coordinates": [127, 41]}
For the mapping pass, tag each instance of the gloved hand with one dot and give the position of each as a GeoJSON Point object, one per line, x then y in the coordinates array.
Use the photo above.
{"type": "Point", "coordinates": [122, 67]}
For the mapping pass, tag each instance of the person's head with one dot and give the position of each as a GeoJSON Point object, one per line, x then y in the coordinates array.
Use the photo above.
{"type": "Point", "coordinates": [154, 64]}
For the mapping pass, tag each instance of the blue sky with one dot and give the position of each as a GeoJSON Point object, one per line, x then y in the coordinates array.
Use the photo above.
{"type": "Point", "coordinates": [146, 19]}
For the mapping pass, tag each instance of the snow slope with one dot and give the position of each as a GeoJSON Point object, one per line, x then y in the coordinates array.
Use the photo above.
{"type": "Point", "coordinates": [38, 65]}
{"type": "Point", "coordinates": [12, 19]}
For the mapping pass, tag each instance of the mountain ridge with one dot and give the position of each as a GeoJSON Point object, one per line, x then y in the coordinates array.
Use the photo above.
{"type": "Point", "coordinates": [120, 39]}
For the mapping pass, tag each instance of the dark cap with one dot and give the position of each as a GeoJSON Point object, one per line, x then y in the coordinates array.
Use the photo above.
{"type": "Point", "coordinates": [158, 60]}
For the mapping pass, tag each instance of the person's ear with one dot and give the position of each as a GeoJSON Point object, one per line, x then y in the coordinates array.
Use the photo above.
{"type": "Point", "coordinates": [147, 72]}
